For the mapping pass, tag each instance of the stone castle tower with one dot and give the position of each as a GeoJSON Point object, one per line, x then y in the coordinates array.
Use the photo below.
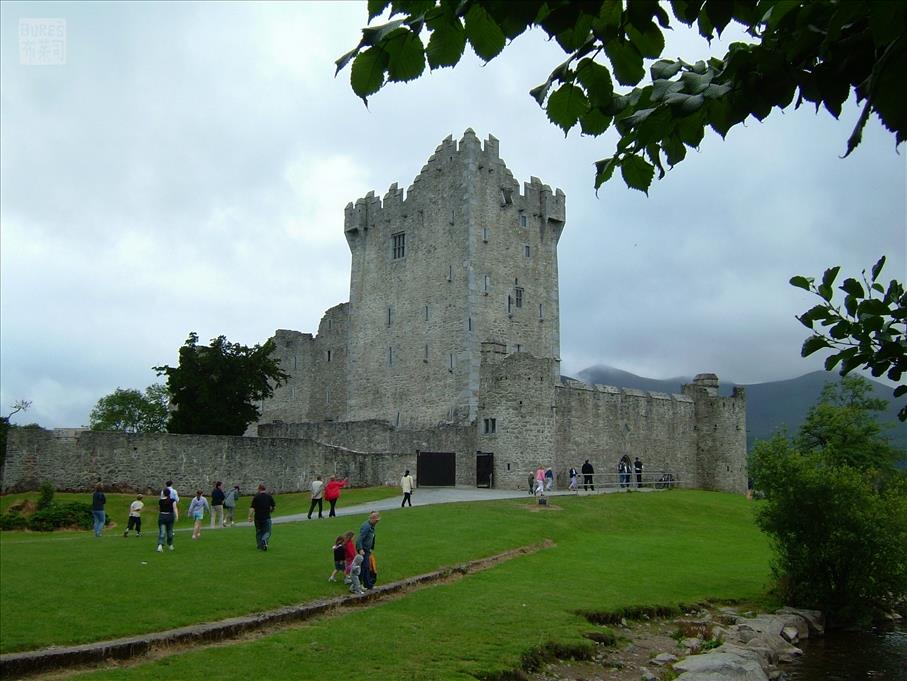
{"type": "Point", "coordinates": [450, 343]}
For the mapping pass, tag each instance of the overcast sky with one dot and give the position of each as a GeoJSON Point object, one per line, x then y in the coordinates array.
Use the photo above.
{"type": "Point", "coordinates": [186, 170]}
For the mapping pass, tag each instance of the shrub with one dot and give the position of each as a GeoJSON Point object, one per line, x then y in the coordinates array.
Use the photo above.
{"type": "Point", "coordinates": [72, 515]}
{"type": "Point", "coordinates": [13, 520]}
{"type": "Point", "coordinates": [47, 495]}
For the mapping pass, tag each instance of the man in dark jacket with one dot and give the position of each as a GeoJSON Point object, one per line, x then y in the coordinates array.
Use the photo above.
{"type": "Point", "coordinates": [365, 544]}
{"type": "Point", "coordinates": [217, 504]}
{"type": "Point", "coordinates": [587, 476]}
{"type": "Point", "coordinates": [262, 506]}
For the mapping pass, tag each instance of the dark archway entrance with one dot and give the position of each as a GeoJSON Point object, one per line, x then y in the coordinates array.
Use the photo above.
{"type": "Point", "coordinates": [485, 469]}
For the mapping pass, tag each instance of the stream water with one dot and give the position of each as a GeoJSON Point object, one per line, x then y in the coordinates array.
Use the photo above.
{"type": "Point", "coordinates": [874, 655]}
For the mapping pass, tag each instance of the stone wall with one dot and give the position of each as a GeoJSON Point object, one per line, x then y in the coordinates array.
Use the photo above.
{"type": "Point", "coordinates": [145, 461]}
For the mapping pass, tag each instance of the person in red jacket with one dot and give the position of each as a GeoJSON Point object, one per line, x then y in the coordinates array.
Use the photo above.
{"type": "Point", "coordinates": [349, 549]}
{"type": "Point", "coordinates": [332, 493]}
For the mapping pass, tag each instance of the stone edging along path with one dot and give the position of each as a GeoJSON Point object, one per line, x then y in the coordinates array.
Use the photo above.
{"type": "Point", "coordinates": [15, 665]}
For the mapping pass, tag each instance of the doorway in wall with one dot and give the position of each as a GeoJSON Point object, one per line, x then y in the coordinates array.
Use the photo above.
{"type": "Point", "coordinates": [485, 469]}
{"type": "Point", "coordinates": [436, 469]}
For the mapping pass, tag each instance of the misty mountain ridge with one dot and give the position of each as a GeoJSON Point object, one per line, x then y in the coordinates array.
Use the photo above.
{"type": "Point", "coordinates": [769, 406]}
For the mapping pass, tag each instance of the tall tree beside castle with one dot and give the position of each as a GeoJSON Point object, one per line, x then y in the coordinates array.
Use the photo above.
{"type": "Point", "coordinates": [215, 389]}
{"type": "Point", "coordinates": [132, 411]}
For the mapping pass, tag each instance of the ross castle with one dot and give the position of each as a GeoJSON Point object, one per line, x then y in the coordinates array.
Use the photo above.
{"type": "Point", "coordinates": [445, 360]}
{"type": "Point", "coordinates": [449, 346]}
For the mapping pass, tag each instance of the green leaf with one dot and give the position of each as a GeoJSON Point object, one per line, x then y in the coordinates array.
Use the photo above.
{"type": "Point", "coordinates": [447, 42]}
{"type": "Point", "coordinates": [852, 287]}
{"type": "Point", "coordinates": [714, 91]}
{"type": "Point", "coordinates": [649, 40]}
{"type": "Point", "coordinates": [694, 83]}
{"type": "Point", "coordinates": [801, 282]}
{"type": "Point", "coordinates": [604, 169]}
{"type": "Point", "coordinates": [840, 330]}
{"type": "Point", "coordinates": [566, 105]}
{"type": "Point", "coordinates": [576, 35]}
{"type": "Point", "coordinates": [850, 305]}
{"type": "Point", "coordinates": [637, 172]}
{"type": "Point", "coordinates": [376, 7]}
{"type": "Point", "coordinates": [626, 62]}
{"type": "Point", "coordinates": [594, 122]}
{"type": "Point", "coordinates": [483, 33]}
{"type": "Point", "coordinates": [720, 13]}
{"type": "Point", "coordinates": [674, 149]}
{"type": "Point", "coordinates": [877, 268]}
{"type": "Point", "coordinates": [662, 88]}
{"type": "Point", "coordinates": [345, 59]}
{"type": "Point", "coordinates": [611, 13]}
{"type": "Point", "coordinates": [597, 81]}
{"type": "Point", "coordinates": [373, 35]}
{"type": "Point", "coordinates": [812, 344]}
{"type": "Point", "coordinates": [367, 72]}
{"type": "Point", "coordinates": [692, 104]}
{"type": "Point", "coordinates": [405, 56]}
{"type": "Point", "coordinates": [825, 291]}
{"type": "Point", "coordinates": [664, 68]}
{"type": "Point", "coordinates": [691, 130]}
{"type": "Point", "coordinates": [828, 278]}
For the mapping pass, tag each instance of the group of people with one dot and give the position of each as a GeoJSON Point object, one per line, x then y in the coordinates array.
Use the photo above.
{"type": "Point", "coordinates": [543, 479]}
{"type": "Point", "coordinates": [356, 560]}
{"type": "Point", "coordinates": [329, 492]}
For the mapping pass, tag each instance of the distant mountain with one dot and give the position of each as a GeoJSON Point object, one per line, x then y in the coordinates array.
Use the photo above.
{"type": "Point", "coordinates": [769, 406]}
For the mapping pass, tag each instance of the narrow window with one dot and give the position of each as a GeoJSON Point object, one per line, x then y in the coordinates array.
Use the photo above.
{"type": "Point", "coordinates": [509, 304]}
{"type": "Point", "coordinates": [487, 283]}
{"type": "Point", "coordinates": [398, 242]}
{"type": "Point", "coordinates": [294, 361]}
{"type": "Point", "coordinates": [519, 348]}
{"type": "Point", "coordinates": [490, 426]}
{"type": "Point", "coordinates": [397, 420]}
{"type": "Point", "coordinates": [485, 234]}
{"type": "Point", "coordinates": [329, 356]}
{"type": "Point", "coordinates": [390, 314]}
{"type": "Point", "coordinates": [293, 393]}
{"type": "Point", "coordinates": [450, 362]}
{"type": "Point", "coordinates": [524, 221]}
{"type": "Point", "coordinates": [526, 250]}
{"type": "Point", "coordinates": [390, 357]}
{"type": "Point", "coordinates": [450, 273]}
{"type": "Point", "coordinates": [330, 324]}
{"type": "Point", "coordinates": [327, 394]}
{"type": "Point", "coordinates": [425, 358]}
{"type": "Point", "coordinates": [541, 316]}
{"type": "Point", "coordinates": [518, 293]}
{"type": "Point", "coordinates": [426, 313]}
{"type": "Point", "coordinates": [469, 324]}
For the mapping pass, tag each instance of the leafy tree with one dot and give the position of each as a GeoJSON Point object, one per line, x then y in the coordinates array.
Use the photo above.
{"type": "Point", "coordinates": [215, 388]}
{"type": "Point", "coordinates": [842, 427]}
{"type": "Point", "coordinates": [835, 508]}
{"type": "Point", "coordinates": [15, 408]}
{"type": "Point", "coordinates": [840, 541]}
{"type": "Point", "coordinates": [869, 330]}
{"type": "Point", "coordinates": [132, 411]}
{"type": "Point", "coordinates": [816, 51]}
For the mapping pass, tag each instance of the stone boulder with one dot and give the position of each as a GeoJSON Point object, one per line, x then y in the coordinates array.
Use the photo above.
{"type": "Point", "coordinates": [814, 619]}
{"type": "Point", "coordinates": [716, 666]}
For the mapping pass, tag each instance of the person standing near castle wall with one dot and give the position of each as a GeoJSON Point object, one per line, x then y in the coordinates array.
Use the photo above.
{"type": "Point", "coordinates": [317, 496]}
{"type": "Point", "coordinates": [588, 472]}
{"type": "Point", "coordinates": [540, 481]}
{"type": "Point", "coordinates": [637, 467]}
{"type": "Point", "coordinates": [573, 479]}
{"type": "Point", "coordinates": [217, 504]}
{"type": "Point", "coordinates": [332, 493]}
{"type": "Point", "coordinates": [407, 485]}
{"type": "Point", "coordinates": [97, 509]}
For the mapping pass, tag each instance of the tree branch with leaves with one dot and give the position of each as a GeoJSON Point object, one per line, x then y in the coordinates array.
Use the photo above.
{"type": "Point", "coordinates": [867, 329]}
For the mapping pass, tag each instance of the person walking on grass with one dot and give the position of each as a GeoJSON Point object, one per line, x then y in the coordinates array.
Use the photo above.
{"type": "Point", "coordinates": [540, 481]}
{"type": "Point", "coordinates": [217, 504]}
{"type": "Point", "coordinates": [97, 509]}
{"type": "Point", "coordinates": [317, 494]}
{"type": "Point", "coordinates": [407, 484]}
{"type": "Point", "coordinates": [573, 480]}
{"type": "Point", "coordinates": [168, 513]}
{"type": "Point", "coordinates": [262, 507]}
{"type": "Point", "coordinates": [349, 554]}
{"type": "Point", "coordinates": [339, 551]}
{"type": "Point", "coordinates": [365, 545]}
{"type": "Point", "coordinates": [549, 479]}
{"type": "Point", "coordinates": [356, 568]}
{"type": "Point", "coordinates": [332, 493]}
{"type": "Point", "coordinates": [135, 516]}
{"type": "Point", "coordinates": [197, 508]}
{"type": "Point", "coordinates": [230, 506]}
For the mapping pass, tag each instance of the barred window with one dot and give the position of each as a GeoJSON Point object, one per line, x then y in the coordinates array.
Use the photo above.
{"type": "Point", "coordinates": [518, 295]}
{"type": "Point", "coordinates": [399, 245]}
{"type": "Point", "coordinates": [490, 426]}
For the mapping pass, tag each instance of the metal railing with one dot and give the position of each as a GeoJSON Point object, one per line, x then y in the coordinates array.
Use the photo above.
{"type": "Point", "coordinates": [610, 481]}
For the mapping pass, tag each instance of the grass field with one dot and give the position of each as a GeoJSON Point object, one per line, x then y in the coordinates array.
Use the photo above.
{"type": "Point", "coordinates": [118, 504]}
{"type": "Point", "coordinates": [609, 551]}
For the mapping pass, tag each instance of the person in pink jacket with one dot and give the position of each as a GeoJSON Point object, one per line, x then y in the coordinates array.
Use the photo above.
{"type": "Point", "coordinates": [332, 493]}
{"type": "Point", "coordinates": [540, 481]}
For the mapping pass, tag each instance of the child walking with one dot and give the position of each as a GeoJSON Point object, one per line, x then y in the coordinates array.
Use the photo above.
{"type": "Point", "coordinates": [135, 516]}
{"type": "Point", "coordinates": [339, 550]}
{"type": "Point", "coordinates": [355, 569]}
{"type": "Point", "coordinates": [197, 512]}
{"type": "Point", "coordinates": [349, 554]}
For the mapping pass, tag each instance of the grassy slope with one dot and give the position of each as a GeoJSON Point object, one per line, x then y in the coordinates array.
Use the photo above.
{"type": "Point", "coordinates": [610, 551]}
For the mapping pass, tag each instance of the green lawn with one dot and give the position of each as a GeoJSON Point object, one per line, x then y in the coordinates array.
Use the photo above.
{"type": "Point", "coordinates": [118, 504]}
{"type": "Point", "coordinates": [610, 551]}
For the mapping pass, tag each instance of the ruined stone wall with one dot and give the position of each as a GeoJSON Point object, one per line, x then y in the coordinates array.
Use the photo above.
{"type": "Point", "coordinates": [604, 423]}
{"type": "Point", "coordinates": [139, 462]}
